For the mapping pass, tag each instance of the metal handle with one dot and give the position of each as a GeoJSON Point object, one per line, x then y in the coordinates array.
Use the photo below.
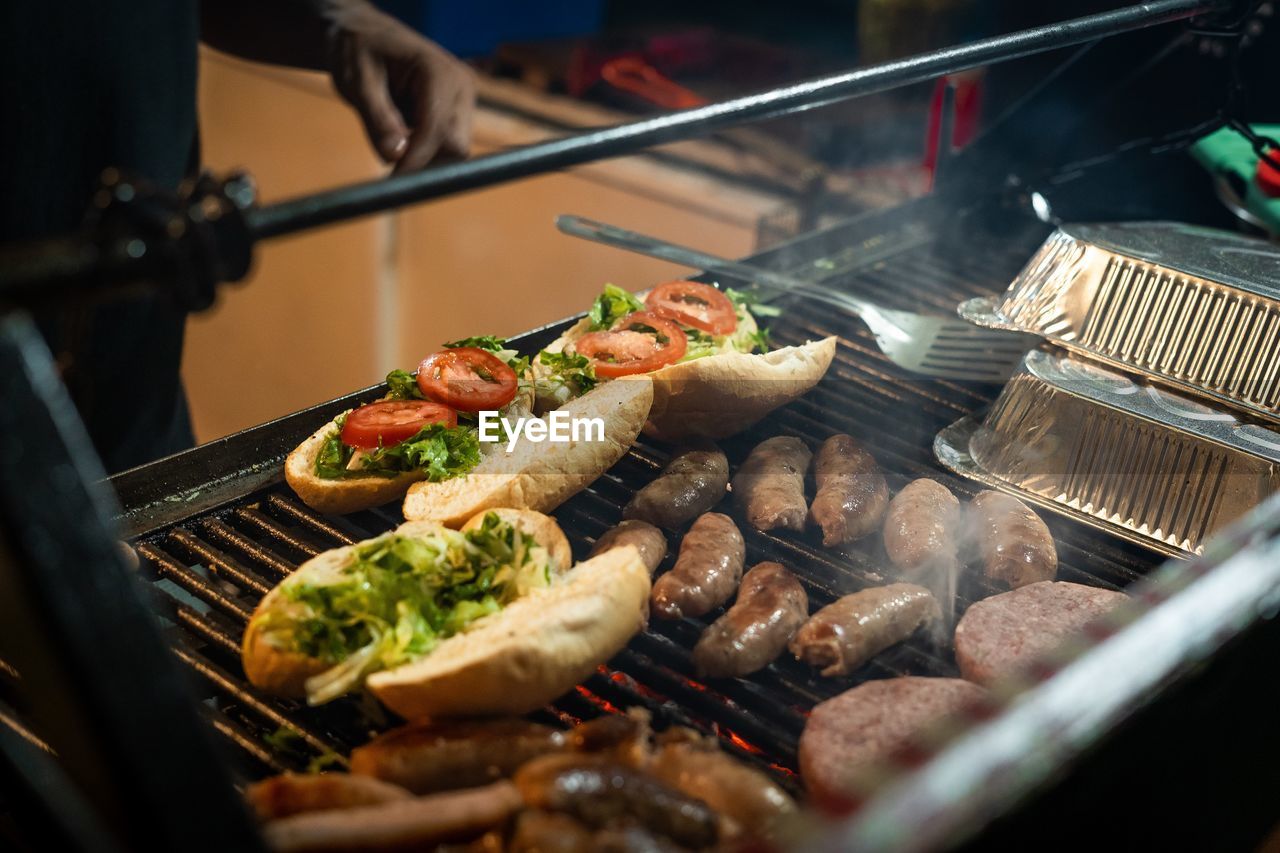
{"type": "Point", "coordinates": [611, 235]}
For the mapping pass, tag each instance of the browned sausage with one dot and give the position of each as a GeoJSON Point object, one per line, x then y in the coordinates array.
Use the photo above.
{"type": "Point", "coordinates": [771, 605]}
{"type": "Point", "coordinates": [692, 483]}
{"type": "Point", "coordinates": [707, 571]}
{"type": "Point", "coordinates": [744, 795]}
{"type": "Point", "coordinates": [851, 630]}
{"type": "Point", "coordinates": [920, 526]}
{"type": "Point", "coordinates": [1016, 546]}
{"type": "Point", "coordinates": [852, 494]}
{"type": "Point", "coordinates": [295, 793]}
{"type": "Point", "coordinates": [599, 792]}
{"type": "Point", "coordinates": [623, 738]}
{"type": "Point", "coordinates": [547, 832]}
{"type": "Point", "coordinates": [769, 487]}
{"type": "Point", "coordinates": [425, 757]}
{"type": "Point", "coordinates": [647, 539]}
{"type": "Point", "coordinates": [415, 823]}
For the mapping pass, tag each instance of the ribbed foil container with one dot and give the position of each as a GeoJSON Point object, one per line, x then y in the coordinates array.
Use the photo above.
{"type": "Point", "coordinates": [1155, 467]}
{"type": "Point", "coordinates": [1193, 307]}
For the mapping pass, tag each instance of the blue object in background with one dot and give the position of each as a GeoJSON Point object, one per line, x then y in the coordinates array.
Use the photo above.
{"type": "Point", "coordinates": [476, 27]}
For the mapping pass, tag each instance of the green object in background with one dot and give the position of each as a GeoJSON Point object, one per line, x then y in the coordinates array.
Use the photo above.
{"type": "Point", "coordinates": [1230, 159]}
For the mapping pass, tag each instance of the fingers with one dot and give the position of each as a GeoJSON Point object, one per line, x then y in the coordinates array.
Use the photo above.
{"type": "Point", "coordinates": [443, 106]}
{"type": "Point", "coordinates": [361, 79]}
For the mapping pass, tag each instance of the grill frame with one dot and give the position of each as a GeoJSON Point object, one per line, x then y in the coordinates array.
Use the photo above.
{"type": "Point", "coordinates": [760, 718]}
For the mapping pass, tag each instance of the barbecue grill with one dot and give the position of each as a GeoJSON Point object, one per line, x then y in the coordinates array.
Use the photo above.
{"type": "Point", "coordinates": [215, 529]}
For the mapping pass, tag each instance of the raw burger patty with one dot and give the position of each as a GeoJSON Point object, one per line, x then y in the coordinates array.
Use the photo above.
{"type": "Point", "coordinates": [870, 722]}
{"type": "Point", "coordinates": [1004, 632]}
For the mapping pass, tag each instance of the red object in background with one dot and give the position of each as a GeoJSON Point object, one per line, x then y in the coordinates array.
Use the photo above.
{"type": "Point", "coordinates": [633, 74]}
{"type": "Point", "coordinates": [966, 112]}
{"type": "Point", "coordinates": [1267, 177]}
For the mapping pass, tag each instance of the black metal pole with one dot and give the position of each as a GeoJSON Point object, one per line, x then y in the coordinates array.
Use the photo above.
{"type": "Point", "coordinates": [361, 199]}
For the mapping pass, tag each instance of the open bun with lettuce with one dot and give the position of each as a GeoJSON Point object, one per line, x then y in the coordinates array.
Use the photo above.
{"type": "Point", "coordinates": [724, 378]}
{"type": "Point", "coordinates": [429, 433]}
{"type": "Point", "coordinates": [438, 622]}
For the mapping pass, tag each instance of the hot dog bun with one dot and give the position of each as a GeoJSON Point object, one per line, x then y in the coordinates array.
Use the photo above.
{"type": "Point", "coordinates": [510, 662]}
{"type": "Point", "coordinates": [719, 395]}
{"type": "Point", "coordinates": [535, 649]}
{"type": "Point", "coordinates": [541, 476]}
{"type": "Point", "coordinates": [339, 496]}
{"type": "Point", "coordinates": [523, 478]}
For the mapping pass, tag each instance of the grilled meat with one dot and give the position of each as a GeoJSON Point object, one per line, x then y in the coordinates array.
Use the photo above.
{"type": "Point", "coordinates": [852, 495]}
{"type": "Point", "coordinates": [1015, 545]}
{"type": "Point", "coordinates": [706, 572]}
{"type": "Point", "coordinates": [296, 793]}
{"type": "Point", "coordinates": [869, 723]}
{"type": "Point", "coordinates": [647, 539]}
{"type": "Point", "coordinates": [769, 487]}
{"type": "Point", "coordinates": [693, 482]}
{"type": "Point", "coordinates": [1005, 632]}
{"type": "Point", "coordinates": [851, 630]}
{"type": "Point", "coordinates": [427, 757]}
{"type": "Point", "coordinates": [771, 605]}
{"type": "Point", "coordinates": [920, 526]}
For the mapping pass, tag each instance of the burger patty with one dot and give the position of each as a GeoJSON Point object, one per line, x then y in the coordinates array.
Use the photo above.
{"type": "Point", "coordinates": [869, 723]}
{"type": "Point", "coordinates": [1005, 632]}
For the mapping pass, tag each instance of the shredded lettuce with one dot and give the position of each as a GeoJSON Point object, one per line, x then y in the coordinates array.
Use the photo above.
{"type": "Point", "coordinates": [750, 300]}
{"type": "Point", "coordinates": [401, 385]}
{"type": "Point", "coordinates": [567, 369]}
{"type": "Point", "coordinates": [400, 596]}
{"type": "Point", "coordinates": [612, 305]}
{"type": "Point", "coordinates": [442, 452]}
{"type": "Point", "coordinates": [486, 342]}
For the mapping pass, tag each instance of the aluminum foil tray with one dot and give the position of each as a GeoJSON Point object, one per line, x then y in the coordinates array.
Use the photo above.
{"type": "Point", "coordinates": [1152, 466]}
{"type": "Point", "coordinates": [1190, 306]}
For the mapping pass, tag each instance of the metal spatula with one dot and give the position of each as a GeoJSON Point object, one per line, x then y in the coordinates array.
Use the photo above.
{"type": "Point", "coordinates": [946, 347]}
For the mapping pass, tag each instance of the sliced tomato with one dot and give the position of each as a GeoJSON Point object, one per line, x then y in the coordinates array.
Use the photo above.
{"type": "Point", "coordinates": [693, 304]}
{"type": "Point", "coordinates": [389, 422]}
{"type": "Point", "coordinates": [638, 343]}
{"type": "Point", "coordinates": [467, 378]}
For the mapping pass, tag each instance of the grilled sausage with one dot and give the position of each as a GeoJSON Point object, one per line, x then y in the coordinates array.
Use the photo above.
{"type": "Point", "coordinates": [920, 526]}
{"type": "Point", "coordinates": [851, 630]}
{"type": "Point", "coordinates": [425, 757]}
{"type": "Point", "coordinates": [415, 823]}
{"type": "Point", "coordinates": [769, 487]}
{"type": "Point", "coordinates": [547, 832]}
{"type": "Point", "coordinates": [296, 793]}
{"type": "Point", "coordinates": [599, 792]}
{"type": "Point", "coordinates": [707, 571]}
{"type": "Point", "coordinates": [750, 800]}
{"type": "Point", "coordinates": [647, 539]}
{"type": "Point", "coordinates": [771, 605]}
{"type": "Point", "coordinates": [1015, 545]}
{"type": "Point", "coordinates": [852, 494]}
{"type": "Point", "coordinates": [692, 483]}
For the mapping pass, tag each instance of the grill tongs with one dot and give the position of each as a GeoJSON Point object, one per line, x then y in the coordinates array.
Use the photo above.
{"type": "Point", "coordinates": [945, 347]}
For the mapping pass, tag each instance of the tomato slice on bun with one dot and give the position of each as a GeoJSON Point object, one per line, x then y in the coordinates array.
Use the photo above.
{"type": "Point", "coordinates": [638, 343]}
{"type": "Point", "coordinates": [468, 379]}
{"type": "Point", "coordinates": [389, 422]}
{"type": "Point", "coordinates": [692, 303]}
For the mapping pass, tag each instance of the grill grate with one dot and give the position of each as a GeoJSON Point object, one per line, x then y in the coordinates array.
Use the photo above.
{"type": "Point", "coordinates": [210, 569]}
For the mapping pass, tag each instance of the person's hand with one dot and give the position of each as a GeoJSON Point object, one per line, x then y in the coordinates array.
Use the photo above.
{"type": "Point", "coordinates": [414, 98]}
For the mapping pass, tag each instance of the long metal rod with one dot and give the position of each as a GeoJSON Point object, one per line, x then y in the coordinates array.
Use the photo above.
{"type": "Point", "coordinates": [293, 215]}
